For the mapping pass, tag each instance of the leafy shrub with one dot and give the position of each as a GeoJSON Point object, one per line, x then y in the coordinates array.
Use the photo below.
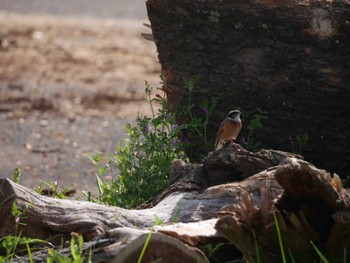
{"type": "Point", "coordinates": [145, 160]}
{"type": "Point", "coordinates": [195, 120]}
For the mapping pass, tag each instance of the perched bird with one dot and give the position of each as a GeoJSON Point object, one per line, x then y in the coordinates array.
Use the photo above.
{"type": "Point", "coordinates": [229, 129]}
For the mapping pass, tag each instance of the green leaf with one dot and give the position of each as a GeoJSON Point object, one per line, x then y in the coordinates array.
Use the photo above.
{"type": "Point", "coordinates": [17, 175]}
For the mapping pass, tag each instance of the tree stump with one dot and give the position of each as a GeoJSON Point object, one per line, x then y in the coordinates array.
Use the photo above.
{"type": "Point", "coordinates": [289, 58]}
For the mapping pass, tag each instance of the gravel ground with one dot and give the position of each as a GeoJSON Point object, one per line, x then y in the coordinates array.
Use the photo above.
{"type": "Point", "coordinates": [68, 85]}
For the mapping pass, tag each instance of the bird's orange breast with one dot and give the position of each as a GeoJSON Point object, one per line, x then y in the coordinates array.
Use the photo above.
{"type": "Point", "coordinates": [230, 130]}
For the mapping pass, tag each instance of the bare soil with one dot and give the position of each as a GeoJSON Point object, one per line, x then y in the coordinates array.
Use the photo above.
{"type": "Point", "coordinates": [67, 87]}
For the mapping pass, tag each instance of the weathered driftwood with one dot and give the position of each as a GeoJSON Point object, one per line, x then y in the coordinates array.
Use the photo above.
{"type": "Point", "coordinates": [234, 163]}
{"type": "Point", "coordinates": [187, 199]}
{"type": "Point", "coordinates": [289, 58]}
{"type": "Point", "coordinates": [125, 244]}
{"type": "Point", "coordinates": [161, 247]}
{"type": "Point", "coordinates": [229, 164]}
{"type": "Point", "coordinates": [311, 209]}
{"type": "Point", "coordinates": [114, 233]}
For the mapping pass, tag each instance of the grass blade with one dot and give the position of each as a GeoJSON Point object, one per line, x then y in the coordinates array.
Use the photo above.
{"type": "Point", "coordinates": [29, 252]}
{"type": "Point", "coordinates": [145, 247]}
{"type": "Point", "coordinates": [279, 238]}
{"type": "Point", "coordinates": [345, 258]}
{"type": "Point", "coordinates": [257, 252]}
{"type": "Point", "coordinates": [291, 256]}
{"type": "Point", "coordinates": [322, 257]}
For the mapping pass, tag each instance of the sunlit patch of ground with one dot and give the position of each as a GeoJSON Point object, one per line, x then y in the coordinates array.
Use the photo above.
{"type": "Point", "coordinates": [68, 86]}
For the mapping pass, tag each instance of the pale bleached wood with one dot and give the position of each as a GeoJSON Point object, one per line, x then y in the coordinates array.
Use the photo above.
{"type": "Point", "coordinates": [129, 243]}
{"type": "Point", "coordinates": [46, 217]}
{"type": "Point", "coordinates": [188, 207]}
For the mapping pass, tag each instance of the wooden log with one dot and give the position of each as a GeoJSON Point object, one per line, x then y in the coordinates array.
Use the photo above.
{"type": "Point", "coordinates": [55, 219]}
{"type": "Point", "coordinates": [234, 163]}
{"type": "Point", "coordinates": [193, 233]}
{"type": "Point", "coordinates": [45, 216]}
{"type": "Point", "coordinates": [125, 244]}
{"type": "Point", "coordinates": [289, 58]}
{"type": "Point", "coordinates": [129, 242]}
{"type": "Point", "coordinates": [193, 204]}
{"type": "Point", "coordinates": [229, 164]}
{"type": "Point", "coordinates": [311, 208]}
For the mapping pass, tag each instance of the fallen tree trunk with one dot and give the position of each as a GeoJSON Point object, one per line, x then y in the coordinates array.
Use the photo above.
{"type": "Point", "coordinates": [312, 211]}
{"type": "Point", "coordinates": [187, 199]}
{"type": "Point", "coordinates": [190, 206]}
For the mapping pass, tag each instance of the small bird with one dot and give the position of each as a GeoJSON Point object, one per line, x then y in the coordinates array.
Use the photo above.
{"type": "Point", "coordinates": [229, 129]}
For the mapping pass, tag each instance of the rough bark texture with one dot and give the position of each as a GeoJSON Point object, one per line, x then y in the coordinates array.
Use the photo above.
{"type": "Point", "coordinates": [179, 202]}
{"type": "Point", "coordinates": [234, 163]}
{"type": "Point", "coordinates": [289, 58]}
{"type": "Point", "coordinates": [187, 199]}
{"type": "Point", "coordinates": [129, 243]}
{"type": "Point", "coordinates": [309, 204]}
{"type": "Point", "coordinates": [229, 164]}
{"type": "Point", "coordinates": [311, 208]}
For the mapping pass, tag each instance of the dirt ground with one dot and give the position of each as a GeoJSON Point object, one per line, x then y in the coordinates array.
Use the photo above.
{"type": "Point", "coordinates": [67, 87]}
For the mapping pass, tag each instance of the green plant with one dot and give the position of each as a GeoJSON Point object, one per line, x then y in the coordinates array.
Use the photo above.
{"type": "Point", "coordinates": [319, 253]}
{"type": "Point", "coordinates": [76, 246]}
{"type": "Point", "coordinates": [9, 244]}
{"type": "Point", "coordinates": [196, 125]}
{"type": "Point", "coordinates": [151, 145]}
{"type": "Point", "coordinates": [145, 246]}
{"type": "Point", "coordinates": [19, 215]}
{"type": "Point", "coordinates": [255, 118]}
{"type": "Point", "coordinates": [76, 254]}
{"type": "Point", "coordinates": [53, 189]}
{"type": "Point", "coordinates": [144, 161]}
{"type": "Point", "coordinates": [279, 238]}
{"type": "Point", "coordinates": [322, 257]}
{"type": "Point", "coordinates": [158, 221]}
{"type": "Point", "coordinates": [102, 164]}
{"type": "Point", "coordinates": [257, 250]}
{"type": "Point", "coordinates": [17, 175]}
{"type": "Point", "coordinates": [16, 244]}
{"type": "Point", "coordinates": [301, 139]}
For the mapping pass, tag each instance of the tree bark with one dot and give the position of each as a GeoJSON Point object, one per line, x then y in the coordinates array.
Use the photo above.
{"type": "Point", "coordinates": [46, 217]}
{"type": "Point", "coordinates": [289, 58]}
{"type": "Point", "coordinates": [311, 209]}
{"type": "Point", "coordinates": [309, 204]}
{"type": "Point", "coordinates": [55, 219]}
{"type": "Point", "coordinates": [187, 199]}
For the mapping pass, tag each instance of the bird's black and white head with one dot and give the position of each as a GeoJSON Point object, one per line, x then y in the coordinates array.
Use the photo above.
{"type": "Point", "coordinates": [234, 115]}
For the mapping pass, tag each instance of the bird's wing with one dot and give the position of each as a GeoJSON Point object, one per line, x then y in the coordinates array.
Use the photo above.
{"type": "Point", "coordinates": [218, 135]}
